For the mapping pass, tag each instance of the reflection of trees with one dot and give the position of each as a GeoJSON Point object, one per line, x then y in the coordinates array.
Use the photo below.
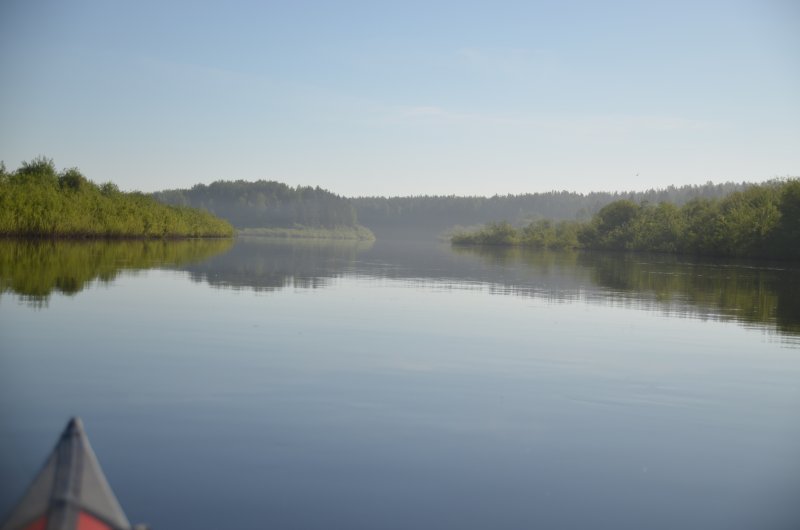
{"type": "Point", "coordinates": [265, 264]}
{"type": "Point", "coordinates": [744, 291]}
{"type": "Point", "coordinates": [747, 292]}
{"type": "Point", "coordinates": [36, 268]}
{"type": "Point", "coordinates": [542, 260]}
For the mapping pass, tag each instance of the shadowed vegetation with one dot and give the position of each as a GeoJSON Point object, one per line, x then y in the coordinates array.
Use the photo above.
{"type": "Point", "coordinates": [38, 201]}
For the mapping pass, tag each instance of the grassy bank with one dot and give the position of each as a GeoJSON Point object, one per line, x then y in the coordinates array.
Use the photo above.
{"type": "Point", "coordinates": [38, 201]}
{"type": "Point", "coordinates": [762, 221]}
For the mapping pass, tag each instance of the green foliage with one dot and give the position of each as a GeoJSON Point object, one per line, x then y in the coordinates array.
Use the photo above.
{"type": "Point", "coordinates": [539, 234]}
{"type": "Point", "coordinates": [266, 204]}
{"type": "Point", "coordinates": [746, 221]}
{"type": "Point", "coordinates": [787, 233]}
{"type": "Point", "coordinates": [37, 201]}
{"type": "Point", "coordinates": [41, 170]}
{"type": "Point", "coordinates": [545, 234]}
{"type": "Point", "coordinates": [72, 179]}
{"type": "Point", "coordinates": [700, 227]}
{"type": "Point", "coordinates": [758, 221]}
{"type": "Point", "coordinates": [657, 229]}
{"type": "Point", "coordinates": [612, 227]}
{"type": "Point", "coordinates": [431, 214]}
{"type": "Point", "coordinates": [493, 234]}
{"type": "Point", "coordinates": [109, 189]}
{"type": "Point", "coordinates": [542, 234]}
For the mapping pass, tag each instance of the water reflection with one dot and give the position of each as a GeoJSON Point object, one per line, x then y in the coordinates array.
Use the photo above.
{"type": "Point", "coordinates": [756, 294]}
{"type": "Point", "coordinates": [35, 269]}
{"type": "Point", "coordinates": [760, 294]}
{"type": "Point", "coordinates": [267, 264]}
{"type": "Point", "coordinates": [753, 293]}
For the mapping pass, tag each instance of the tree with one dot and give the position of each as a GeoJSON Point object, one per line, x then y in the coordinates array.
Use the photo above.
{"type": "Point", "coordinates": [612, 226]}
{"type": "Point", "coordinates": [71, 179]}
{"type": "Point", "coordinates": [786, 241]}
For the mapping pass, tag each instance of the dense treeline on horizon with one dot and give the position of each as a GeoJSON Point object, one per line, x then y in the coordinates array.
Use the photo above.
{"type": "Point", "coordinates": [266, 204]}
{"type": "Point", "coordinates": [432, 214]}
{"type": "Point", "coordinates": [272, 204]}
{"type": "Point", "coordinates": [759, 221]}
{"type": "Point", "coordinates": [38, 201]}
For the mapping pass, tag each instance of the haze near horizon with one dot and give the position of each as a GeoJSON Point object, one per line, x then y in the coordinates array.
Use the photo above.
{"type": "Point", "coordinates": [411, 99]}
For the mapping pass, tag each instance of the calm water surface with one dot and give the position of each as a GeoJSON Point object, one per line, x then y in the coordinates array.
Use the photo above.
{"type": "Point", "coordinates": [305, 385]}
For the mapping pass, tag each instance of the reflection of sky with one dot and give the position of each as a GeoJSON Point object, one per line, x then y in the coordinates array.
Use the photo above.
{"type": "Point", "coordinates": [396, 404]}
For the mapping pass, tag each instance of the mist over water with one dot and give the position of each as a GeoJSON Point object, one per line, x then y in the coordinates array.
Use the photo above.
{"type": "Point", "coordinates": [396, 385]}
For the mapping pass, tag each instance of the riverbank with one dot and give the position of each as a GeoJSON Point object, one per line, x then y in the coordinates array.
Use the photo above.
{"type": "Point", "coordinates": [762, 221]}
{"type": "Point", "coordinates": [348, 233]}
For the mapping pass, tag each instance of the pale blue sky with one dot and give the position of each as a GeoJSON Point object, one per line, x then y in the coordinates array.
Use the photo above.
{"type": "Point", "coordinates": [404, 97]}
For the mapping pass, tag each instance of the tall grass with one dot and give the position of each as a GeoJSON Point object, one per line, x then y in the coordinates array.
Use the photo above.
{"type": "Point", "coordinates": [38, 201]}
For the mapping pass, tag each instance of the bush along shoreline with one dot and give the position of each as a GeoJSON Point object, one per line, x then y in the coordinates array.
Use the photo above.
{"type": "Point", "coordinates": [762, 221]}
{"type": "Point", "coordinates": [36, 201]}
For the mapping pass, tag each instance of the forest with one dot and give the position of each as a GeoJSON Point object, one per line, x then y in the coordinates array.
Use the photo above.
{"type": "Point", "coordinates": [266, 204]}
{"type": "Point", "coordinates": [759, 221]}
{"type": "Point", "coordinates": [428, 216]}
{"type": "Point", "coordinates": [38, 201]}
{"type": "Point", "coordinates": [271, 204]}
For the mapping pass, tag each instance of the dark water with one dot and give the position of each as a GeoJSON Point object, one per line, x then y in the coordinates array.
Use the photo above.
{"type": "Point", "coordinates": [308, 385]}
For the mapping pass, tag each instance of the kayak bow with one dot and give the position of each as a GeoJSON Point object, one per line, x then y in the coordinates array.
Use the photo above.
{"type": "Point", "coordinates": [70, 492]}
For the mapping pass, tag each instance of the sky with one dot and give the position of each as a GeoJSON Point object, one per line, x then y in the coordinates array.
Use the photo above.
{"type": "Point", "coordinates": [404, 98]}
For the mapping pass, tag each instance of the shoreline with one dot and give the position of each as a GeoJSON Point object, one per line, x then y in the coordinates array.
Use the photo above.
{"type": "Point", "coordinates": [106, 237]}
{"type": "Point", "coordinates": [357, 233]}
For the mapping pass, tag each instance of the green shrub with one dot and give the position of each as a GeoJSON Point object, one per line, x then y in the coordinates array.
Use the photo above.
{"type": "Point", "coordinates": [37, 201]}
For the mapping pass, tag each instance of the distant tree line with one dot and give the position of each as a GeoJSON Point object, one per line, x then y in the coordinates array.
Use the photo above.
{"type": "Point", "coordinates": [430, 215]}
{"type": "Point", "coordinates": [271, 204]}
{"type": "Point", "coordinates": [266, 204]}
{"type": "Point", "coordinates": [759, 221]}
{"type": "Point", "coordinates": [36, 200]}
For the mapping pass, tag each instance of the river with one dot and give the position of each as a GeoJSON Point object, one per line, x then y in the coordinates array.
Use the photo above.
{"type": "Point", "coordinates": [308, 385]}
